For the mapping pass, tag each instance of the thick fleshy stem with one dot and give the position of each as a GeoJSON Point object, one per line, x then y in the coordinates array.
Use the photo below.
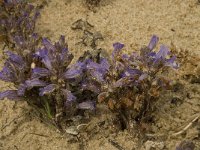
{"type": "Point", "coordinates": [59, 107]}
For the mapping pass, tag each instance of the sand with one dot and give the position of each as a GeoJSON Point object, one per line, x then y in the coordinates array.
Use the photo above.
{"type": "Point", "coordinates": [131, 22]}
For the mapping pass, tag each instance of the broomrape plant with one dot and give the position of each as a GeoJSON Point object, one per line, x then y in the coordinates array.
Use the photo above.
{"type": "Point", "coordinates": [131, 83]}
{"type": "Point", "coordinates": [43, 73]}
{"type": "Point", "coordinates": [45, 80]}
{"type": "Point", "coordinates": [128, 83]}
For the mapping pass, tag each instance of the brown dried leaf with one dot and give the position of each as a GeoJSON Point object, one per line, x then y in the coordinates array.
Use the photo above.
{"type": "Point", "coordinates": [154, 91]}
{"type": "Point", "coordinates": [102, 97]}
{"type": "Point", "coordinates": [111, 104]}
{"type": "Point", "coordinates": [138, 102]}
{"type": "Point", "coordinates": [127, 102]}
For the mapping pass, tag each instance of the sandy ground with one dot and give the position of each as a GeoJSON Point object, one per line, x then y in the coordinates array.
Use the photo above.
{"type": "Point", "coordinates": [131, 22]}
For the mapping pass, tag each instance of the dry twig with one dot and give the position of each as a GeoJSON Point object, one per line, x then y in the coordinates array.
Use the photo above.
{"type": "Point", "coordinates": [186, 127]}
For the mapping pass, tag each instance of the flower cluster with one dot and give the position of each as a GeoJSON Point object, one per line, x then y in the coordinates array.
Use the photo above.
{"type": "Point", "coordinates": [44, 75]}
{"type": "Point", "coordinates": [132, 82]}
{"type": "Point", "coordinates": [17, 19]}
{"type": "Point", "coordinates": [47, 80]}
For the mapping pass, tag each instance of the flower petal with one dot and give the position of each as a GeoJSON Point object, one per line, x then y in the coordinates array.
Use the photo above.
{"type": "Point", "coordinates": [66, 57]}
{"type": "Point", "coordinates": [10, 94]}
{"type": "Point", "coordinates": [97, 75]}
{"type": "Point", "coordinates": [171, 63]}
{"type": "Point", "coordinates": [92, 65]}
{"type": "Point", "coordinates": [68, 96]}
{"type": "Point", "coordinates": [42, 52]}
{"type": "Point", "coordinates": [15, 59]}
{"type": "Point", "coordinates": [47, 62]}
{"type": "Point", "coordinates": [21, 89]}
{"type": "Point", "coordinates": [7, 74]}
{"type": "Point", "coordinates": [47, 89]}
{"type": "Point", "coordinates": [40, 72]}
{"type": "Point", "coordinates": [104, 64]}
{"type": "Point", "coordinates": [117, 48]}
{"type": "Point", "coordinates": [35, 83]}
{"type": "Point", "coordinates": [75, 70]}
{"type": "Point", "coordinates": [163, 52]}
{"type": "Point", "coordinates": [154, 40]}
{"type": "Point", "coordinates": [48, 45]}
{"type": "Point", "coordinates": [61, 41]}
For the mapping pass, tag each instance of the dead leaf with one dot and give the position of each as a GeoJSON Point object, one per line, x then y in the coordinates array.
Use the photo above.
{"type": "Point", "coordinates": [111, 104]}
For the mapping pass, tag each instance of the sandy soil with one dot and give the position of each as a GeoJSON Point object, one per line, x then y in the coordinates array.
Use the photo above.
{"type": "Point", "coordinates": [131, 22]}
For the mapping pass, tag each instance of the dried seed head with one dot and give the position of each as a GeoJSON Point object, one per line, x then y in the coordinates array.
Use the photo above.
{"type": "Point", "coordinates": [33, 65]}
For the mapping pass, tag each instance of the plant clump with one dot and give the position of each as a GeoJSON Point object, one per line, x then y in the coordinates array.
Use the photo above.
{"type": "Point", "coordinates": [130, 84]}
{"type": "Point", "coordinates": [46, 81]}
{"type": "Point", "coordinates": [43, 74]}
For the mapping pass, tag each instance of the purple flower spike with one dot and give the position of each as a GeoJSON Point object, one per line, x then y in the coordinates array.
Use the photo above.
{"type": "Point", "coordinates": [48, 89]}
{"type": "Point", "coordinates": [98, 71]}
{"type": "Point", "coordinates": [10, 94]}
{"type": "Point", "coordinates": [153, 42]}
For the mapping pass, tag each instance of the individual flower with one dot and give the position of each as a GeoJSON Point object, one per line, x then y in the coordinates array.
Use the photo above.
{"type": "Point", "coordinates": [15, 71]}
{"type": "Point", "coordinates": [157, 60]}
